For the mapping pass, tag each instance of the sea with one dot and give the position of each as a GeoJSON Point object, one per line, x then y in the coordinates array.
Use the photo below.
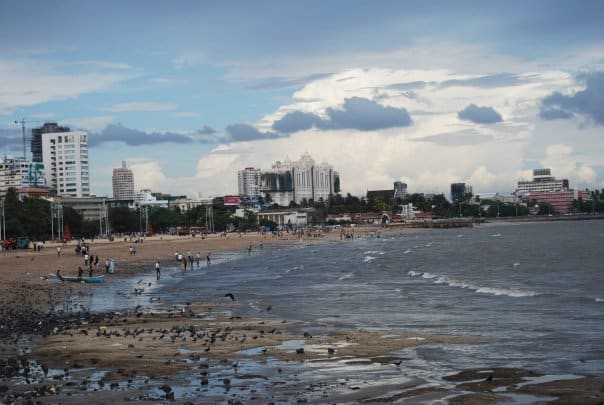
{"type": "Point", "coordinates": [533, 291]}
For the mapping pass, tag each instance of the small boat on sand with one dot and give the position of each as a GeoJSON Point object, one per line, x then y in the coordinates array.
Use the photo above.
{"type": "Point", "coordinates": [75, 279]}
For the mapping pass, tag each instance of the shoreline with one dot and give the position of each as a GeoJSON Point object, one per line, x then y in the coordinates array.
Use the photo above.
{"type": "Point", "coordinates": [125, 352]}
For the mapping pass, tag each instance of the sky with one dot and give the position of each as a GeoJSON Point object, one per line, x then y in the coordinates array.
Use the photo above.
{"type": "Point", "coordinates": [428, 93]}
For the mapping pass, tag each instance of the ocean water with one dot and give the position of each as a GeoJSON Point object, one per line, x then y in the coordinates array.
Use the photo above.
{"type": "Point", "coordinates": [534, 292]}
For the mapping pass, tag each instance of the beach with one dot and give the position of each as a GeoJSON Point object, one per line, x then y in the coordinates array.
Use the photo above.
{"type": "Point", "coordinates": [217, 349]}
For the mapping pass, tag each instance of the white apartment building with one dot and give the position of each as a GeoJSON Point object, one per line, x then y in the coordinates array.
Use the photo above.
{"type": "Point", "coordinates": [249, 180]}
{"type": "Point", "coordinates": [543, 182]}
{"type": "Point", "coordinates": [123, 183]}
{"type": "Point", "coordinates": [301, 180]}
{"type": "Point", "coordinates": [19, 173]}
{"type": "Point", "coordinates": [65, 158]}
{"type": "Point", "coordinates": [145, 198]}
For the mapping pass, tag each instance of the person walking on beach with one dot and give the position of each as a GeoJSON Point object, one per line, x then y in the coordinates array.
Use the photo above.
{"type": "Point", "coordinates": [58, 250]}
{"type": "Point", "coordinates": [249, 250]}
{"type": "Point", "coordinates": [209, 259]}
{"type": "Point", "coordinates": [107, 266]}
{"type": "Point", "coordinates": [184, 264]}
{"type": "Point", "coordinates": [80, 272]}
{"type": "Point", "coordinates": [96, 261]}
{"type": "Point", "coordinates": [111, 266]}
{"type": "Point", "coordinates": [198, 258]}
{"type": "Point", "coordinates": [157, 271]}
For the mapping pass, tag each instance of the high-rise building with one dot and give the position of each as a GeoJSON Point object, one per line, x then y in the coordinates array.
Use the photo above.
{"type": "Point", "coordinates": [65, 158]}
{"type": "Point", "coordinates": [459, 191]}
{"type": "Point", "coordinates": [542, 182]}
{"type": "Point", "coordinates": [123, 183]}
{"type": "Point", "coordinates": [303, 180]}
{"type": "Point", "coordinates": [249, 180]}
{"type": "Point", "coordinates": [19, 173]}
{"type": "Point", "coordinates": [36, 138]}
{"type": "Point", "coordinates": [400, 190]}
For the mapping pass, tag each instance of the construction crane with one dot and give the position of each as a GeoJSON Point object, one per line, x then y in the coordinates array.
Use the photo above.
{"type": "Point", "coordinates": [23, 122]}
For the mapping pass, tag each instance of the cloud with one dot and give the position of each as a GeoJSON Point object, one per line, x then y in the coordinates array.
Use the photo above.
{"type": "Point", "coordinates": [246, 132]}
{"type": "Point", "coordinates": [185, 114]}
{"type": "Point", "coordinates": [89, 123]}
{"type": "Point", "coordinates": [489, 81]}
{"type": "Point", "coordinates": [588, 101]}
{"type": "Point", "coordinates": [479, 115]}
{"type": "Point", "coordinates": [11, 140]}
{"type": "Point", "coordinates": [186, 59]}
{"type": "Point", "coordinates": [460, 138]}
{"type": "Point", "coordinates": [29, 82]}
{"type": "Point", "coordinates": [297, 121]}
{"type": "Point", "coordinates": [550, 114]}
{"type": "Point", "coordinates": [134, 137]}
{"type": "Point", "coordinates": [142, 106]}
{"type": "Point", "coordinates": [357, 113]}
{"type": "Point", "coordinates": [275, 83]}
{"type": "Point", "coordinates": [206, 130]}
{"type": "Point", "coordinates": [367, 115]}
{"type": "Point", "coordinates": [149, 175]}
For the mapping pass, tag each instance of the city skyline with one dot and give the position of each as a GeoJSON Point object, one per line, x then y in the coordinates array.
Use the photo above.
{"type": "Point", "coordinates": [190, 93]}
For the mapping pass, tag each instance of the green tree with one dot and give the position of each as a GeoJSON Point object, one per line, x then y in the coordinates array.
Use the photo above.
{"type": "Point", "coordinates": [123, 220]}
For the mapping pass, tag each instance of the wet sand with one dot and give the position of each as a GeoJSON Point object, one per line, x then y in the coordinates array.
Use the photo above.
{"type": "Point", "coordinates": [71, 357]}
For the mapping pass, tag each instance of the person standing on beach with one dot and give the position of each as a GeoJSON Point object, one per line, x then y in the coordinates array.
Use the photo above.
{"type": "Point", "coordinates": [157, 271]}
{"type": "Point", "coordinates": [111, 266]}
{"type": "Point", "coordinates": [249, 250]}
{"type": "Point", "coordinates": [107, 266]}
{"type": "Point", "coordinates": [58, 250]}
{"type": "Point", "coordinates": [80, 272]}
{"type": "Point", "coordinates": [198, 257]}
{"type": "Point", "coordinates": [209, 259]}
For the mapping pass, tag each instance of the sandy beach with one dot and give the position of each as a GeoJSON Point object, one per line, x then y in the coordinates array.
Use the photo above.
{"type": "Point", "coordinates": [136, 346]}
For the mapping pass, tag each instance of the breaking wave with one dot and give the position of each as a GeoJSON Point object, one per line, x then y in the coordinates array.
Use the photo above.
{"type": "Point", "coordinates": [451, 282]}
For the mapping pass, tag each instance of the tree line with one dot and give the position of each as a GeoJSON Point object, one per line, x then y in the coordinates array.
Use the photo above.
{"type": "Point", "coordinates": [32, 217]}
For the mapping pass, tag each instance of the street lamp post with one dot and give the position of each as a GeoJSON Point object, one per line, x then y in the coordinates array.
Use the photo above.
{"type": "Point", "coordinates": [3, 223]}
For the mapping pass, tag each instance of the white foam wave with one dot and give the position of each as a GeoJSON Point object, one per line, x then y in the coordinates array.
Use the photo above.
{"type": "Point", "coordinates": [369, 259]}
{"type": "Point", "coordinates": [451, 282]}
{"type": "Point", "coordinates": [496, 235]}
{"type": "Point", "coordinates": [346, 276]}
{"type": "Point", "coordinates": [599, 299]}
{"type": "Point", "coordinates": [407, 251]}
{"type": "Point", "coordinates": [294, 269]}
{"type": "Point", "coordinates": [374, 252]}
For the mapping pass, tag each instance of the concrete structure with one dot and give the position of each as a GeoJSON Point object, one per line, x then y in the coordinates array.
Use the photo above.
{"type": "Point", "coordinates": [91, 208]}
{"type": "Point", "coordinates": [36, 138]}
{"type": "Point", "coordinates": [187, 204]}
{"type": "Point", "coordinates": [542, 182]}
{"type": "Point", "coordinates": [400, 190]}
{"type": "Point", "coordinates": [19, 173]}
{"type": "Point", "coordinates": [561, 201]}
{"type": "Point", "coordinates": [293, 218]}
{"type": "Point", "coordinates": [303, 180]}
{"type": "Point", "coordinates": [123, 183]}
{"type": "Point", "coordinates": [459, 191]}
{"type": "Point", "coordinates": [249, 181]}
{"type": "Point", "coordinates": [144, 198]}
{"type": "Point", "coordinates": [65, 158]}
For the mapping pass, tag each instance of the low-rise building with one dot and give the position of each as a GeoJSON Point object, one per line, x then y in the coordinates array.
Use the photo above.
{"type": "Point", "coordinates": [290, 218]}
